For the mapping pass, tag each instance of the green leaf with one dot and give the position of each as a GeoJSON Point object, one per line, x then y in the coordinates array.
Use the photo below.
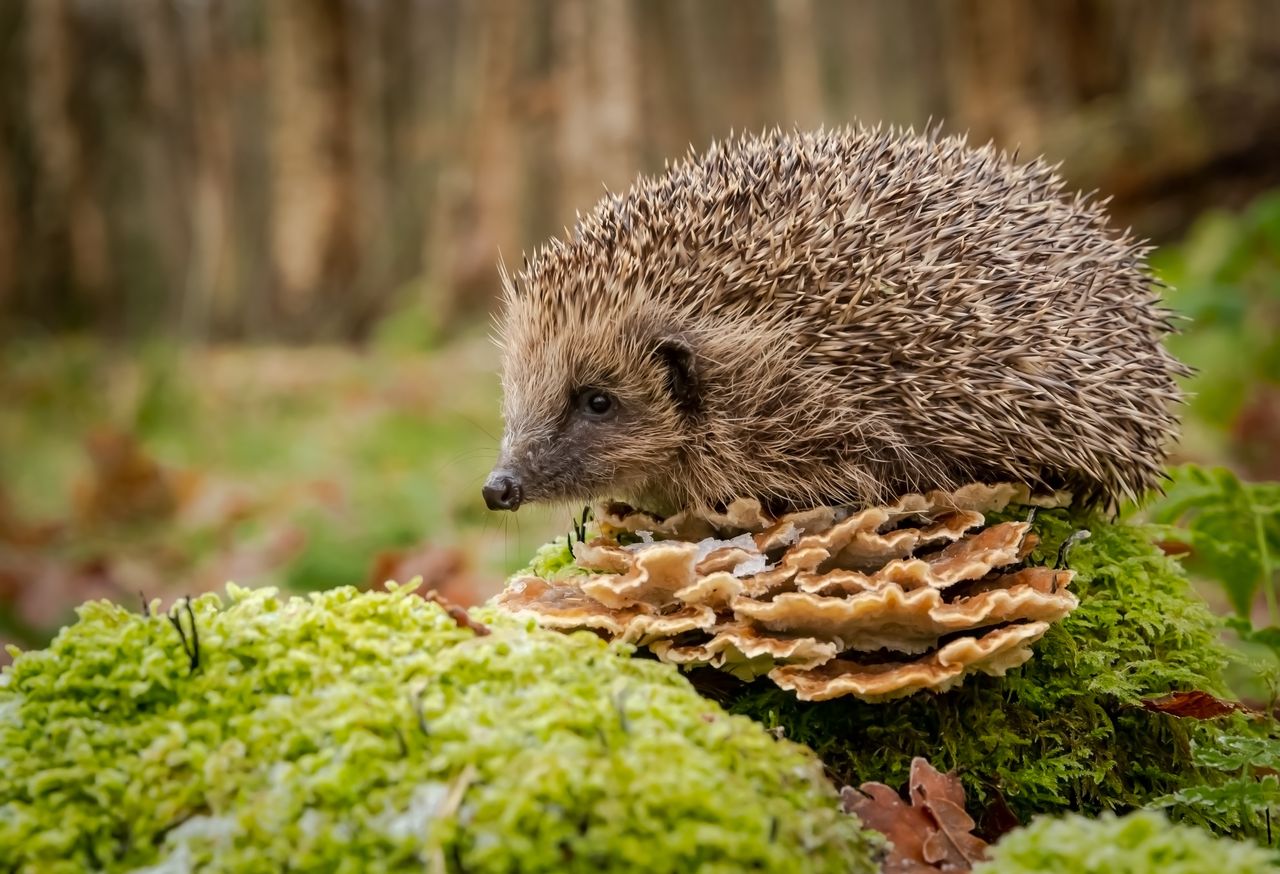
{"type": "Point", "coordinates": [1246, 794]}
{"type": "Point", "coordinates": [1233, 528]}
{"type": "Point", "coordinates": [1268, 636]}
{"type": "Point", "coordinates": [1238, 753]}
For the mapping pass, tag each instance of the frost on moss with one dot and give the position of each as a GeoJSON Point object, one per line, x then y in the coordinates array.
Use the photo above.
{"type": "Point", "coordinates": [1066, 730]}
{"type": "Point", "coordinates": [1140, 843]}
{"type": "Point", "coordinates": [353, 732]}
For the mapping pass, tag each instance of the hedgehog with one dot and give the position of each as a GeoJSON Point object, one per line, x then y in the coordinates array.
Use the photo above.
{"type": "Point", "coordinates": [834, 317]}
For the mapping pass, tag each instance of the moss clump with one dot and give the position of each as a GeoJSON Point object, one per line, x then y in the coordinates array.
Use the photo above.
{"type": "Point", "coordinates": [1065, 731]}
{"type": "Point", "coordinates": [552, 561]}
{"type": "Point", "coordinates": [353, 732]}
{"type": "Point", "coordinates": [1141, 843]}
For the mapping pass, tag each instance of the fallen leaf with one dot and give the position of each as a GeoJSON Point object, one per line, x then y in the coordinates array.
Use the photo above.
{"type": "Point", "coordinates": [906, 827]}
{"type": "Point", "coordinates": [125, 484]}
{"type": "Point", "coordinates": [1195, 704]}
{"type": "Point", "coordinates": [931, 833]}
{"type": "Point", "coordinates": [943, 797]}
{"type": "Point", "coordinates": [1174, 547]}
{"type": "Point", "coordinates": [442, 570]}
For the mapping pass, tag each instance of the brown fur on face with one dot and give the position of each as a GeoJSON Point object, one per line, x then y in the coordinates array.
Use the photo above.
{"type": "Point", "coordinates": [839, 316]}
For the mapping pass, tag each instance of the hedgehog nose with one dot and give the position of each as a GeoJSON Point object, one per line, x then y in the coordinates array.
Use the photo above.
{"type": "Point", "coordinates": [502, 491]}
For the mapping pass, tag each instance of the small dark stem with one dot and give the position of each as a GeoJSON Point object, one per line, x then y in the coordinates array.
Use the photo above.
{"type": "Point", "coordinates": [190, 646]}
{"type": "Point", "coordinates": [422, 718]}
{"type": "Point", "coordinates": [1065, 549]}
{"type": "Point", "coordinates": [195, 636]}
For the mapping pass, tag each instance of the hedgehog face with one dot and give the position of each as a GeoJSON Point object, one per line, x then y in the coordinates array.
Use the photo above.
{"type": "Point", "coordinates": [591, 413]}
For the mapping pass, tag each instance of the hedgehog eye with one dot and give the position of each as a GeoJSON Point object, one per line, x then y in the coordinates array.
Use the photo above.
{"type": "Point", "coordinates": [595, 402]}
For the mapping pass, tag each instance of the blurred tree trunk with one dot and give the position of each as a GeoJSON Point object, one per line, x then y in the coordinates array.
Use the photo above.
{"type": "Point", "coordinates": [210, 295]}
{"type": "Point", "coordinates": [599, 101]}
{"type": "Point", "coordinates": [186, 157]}
{"type": "Point", "coordinates": [164, 144]}
{"type": "Point", "coordinates": [9, 238]}
{"type": "Point", "coordinates": [481, 193]}
{"type": "Point", "coordinates": [12, 116]}
{"type": "Point", "coordinates": [315, 203]}
{"type": "Point", "coordinates": [798, 63]}
{"type": "Point", "coordinates": [69, 222]}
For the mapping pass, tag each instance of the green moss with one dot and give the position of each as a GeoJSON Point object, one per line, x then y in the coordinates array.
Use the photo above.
{"type": "Point", "coordinates": [1141, 843]}
{"type": "Point", "coordinates": [353, 732]}
{"type": "Point", "coordinates": [1065, 731]}
{"type": "Point", "coordinates": [552, 561]}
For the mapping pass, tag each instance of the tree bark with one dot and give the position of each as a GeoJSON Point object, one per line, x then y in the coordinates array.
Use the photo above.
{"type": "Point", "coordinates": [481, 199]}
{"type": "Point", "coordinates": [68, 214]}
{"type": "Point", "coordinates": [315, 202]}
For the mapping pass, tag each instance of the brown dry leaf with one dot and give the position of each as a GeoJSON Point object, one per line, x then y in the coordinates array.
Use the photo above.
{"type": "Point", "coordinates": [1174, 548]}
{"type": "Point", "coordinates": [942, 796]}
{"type": "Point", "coordinates": [932, 833]}
{"type": "Point", "coordinates": [1195, 704]}
{"type": "Point", "coordinates": [125, 484]}
{"type": "Point", "coordinates": [441, 569]}
{"type": "Point", "coordinates": [906, 827]}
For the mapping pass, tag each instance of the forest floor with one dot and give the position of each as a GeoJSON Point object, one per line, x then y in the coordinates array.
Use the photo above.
{"type": "Point", "coordinates": [162, 473]}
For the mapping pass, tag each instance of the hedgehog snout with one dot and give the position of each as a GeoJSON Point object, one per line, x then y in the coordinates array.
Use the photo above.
{"type": "Point", "coordinates": [503, 490]}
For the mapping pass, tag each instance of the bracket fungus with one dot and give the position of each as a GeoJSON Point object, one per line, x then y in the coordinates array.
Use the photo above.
{"type": "Point", "coordinates": [875, 603]}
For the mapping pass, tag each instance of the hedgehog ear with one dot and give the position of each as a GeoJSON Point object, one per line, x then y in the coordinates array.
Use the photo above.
{"type": "Point", "coordinates": [682, 373]}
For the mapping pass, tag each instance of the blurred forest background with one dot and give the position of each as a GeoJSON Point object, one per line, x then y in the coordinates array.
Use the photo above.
{"type": "Point", "coordinates": [248, 250]}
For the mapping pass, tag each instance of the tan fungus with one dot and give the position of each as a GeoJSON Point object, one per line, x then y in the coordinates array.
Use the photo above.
{"type": "Point", "coordinates": [993, 653]}
{"type": "Point", "coordinates": [877, 603]}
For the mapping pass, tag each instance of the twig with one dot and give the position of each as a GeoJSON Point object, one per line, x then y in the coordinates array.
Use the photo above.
{"type": "Point", "coordinates": [458, 614]}
{"type": "Point", "coordinates": [192, 646]}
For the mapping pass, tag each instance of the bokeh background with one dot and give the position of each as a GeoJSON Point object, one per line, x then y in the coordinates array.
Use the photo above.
{"type": "Point", "coordinates": [248, 249]}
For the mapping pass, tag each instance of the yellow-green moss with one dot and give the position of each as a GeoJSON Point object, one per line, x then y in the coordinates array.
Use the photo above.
{"type": "Point", "coordinates": [1140, 843]}
{"type": "Point", "coordinates": [354, 732]}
